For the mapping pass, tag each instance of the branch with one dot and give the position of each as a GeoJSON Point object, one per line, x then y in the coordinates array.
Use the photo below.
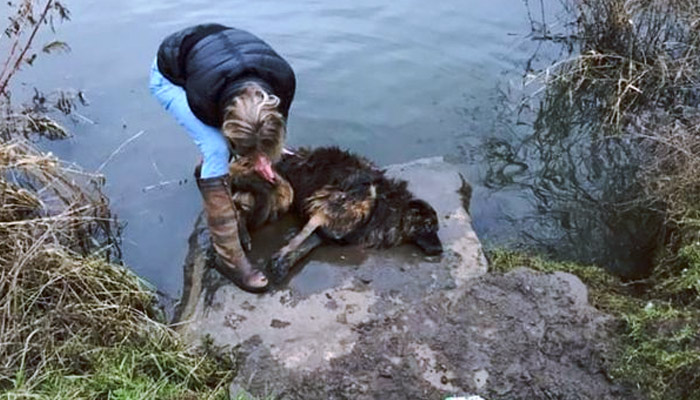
{"type": "Point", "coordinates": [15, 68]}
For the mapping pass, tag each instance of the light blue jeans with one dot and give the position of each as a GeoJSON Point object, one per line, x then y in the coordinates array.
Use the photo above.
{"type": "Point", "coordinates": [209, 140]}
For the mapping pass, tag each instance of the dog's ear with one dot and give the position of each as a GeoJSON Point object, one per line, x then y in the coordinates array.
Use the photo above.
{"type": "Point", "coordinates": [424, 226]}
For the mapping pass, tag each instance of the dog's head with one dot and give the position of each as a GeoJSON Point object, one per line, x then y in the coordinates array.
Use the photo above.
{"type": "Point", "coordinates": [421, 225]}
{"type": "Point", "coordinates": [259, 199]}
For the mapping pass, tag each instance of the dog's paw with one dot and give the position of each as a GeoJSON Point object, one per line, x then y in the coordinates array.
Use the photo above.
{"type": "Point", "coordinates": [244, 238]}
{"type": "Point", "coordinates": [246, 242]}
{"type": "Point", "coordinates": [278, 268]}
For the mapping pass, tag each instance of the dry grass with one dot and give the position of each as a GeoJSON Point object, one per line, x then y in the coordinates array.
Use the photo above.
{"type": "Point", "coordinates": [645, 57]}
{"type": "Point", "coordinates": [73, 324]}
{"type": "Point", "coordinates": [672, 172]}
{"type": "Point", "coordinates": [57, 290]}
{"type": "Point", "coordinates": [637, 77]}
{"type": "Point", "coordinates": [634, 56]}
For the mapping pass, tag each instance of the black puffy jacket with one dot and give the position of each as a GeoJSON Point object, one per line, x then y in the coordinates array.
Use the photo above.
{"type": "Point", "coordinates": [212, 62]}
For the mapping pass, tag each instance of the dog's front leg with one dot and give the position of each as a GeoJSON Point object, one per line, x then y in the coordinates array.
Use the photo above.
{"type": "Point", "coordinates": [244, 203]}
{"type": "Point", "coordinates": [282, 263]}
{"type": "Point", "coordinates": [298, 247]}
{"type": "Point", "coordinates": [243, 234]}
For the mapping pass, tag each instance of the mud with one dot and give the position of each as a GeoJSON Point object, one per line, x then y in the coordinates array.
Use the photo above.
{"type": "Point", "coordinates": [361, 324]}
{"type": "Point", "coordinates": [517, 336]}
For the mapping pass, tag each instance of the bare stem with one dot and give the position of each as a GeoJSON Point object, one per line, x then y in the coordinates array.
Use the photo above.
{"type": "Point", "coordinates": [5, 80]}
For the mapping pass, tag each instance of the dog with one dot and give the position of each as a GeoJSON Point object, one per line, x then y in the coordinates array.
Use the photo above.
{"type": "Point", "coordinates": [343, 197]}
{"type": "Point", "coordinates": [258, 200]}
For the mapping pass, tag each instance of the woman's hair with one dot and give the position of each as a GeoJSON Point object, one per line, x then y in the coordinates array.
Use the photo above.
{"type": "Point", "coordinates": [253, 123]}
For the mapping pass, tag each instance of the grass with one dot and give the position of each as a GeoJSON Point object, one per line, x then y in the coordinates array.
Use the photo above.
{"type": "Point", "coordinates": [606, 291]}
{"type": "Point", "coordinates": [150, 371]}
{"type": "Point", "coordinates": [661, 350]}
{"type": "Point", "coordinates": [73, 324]}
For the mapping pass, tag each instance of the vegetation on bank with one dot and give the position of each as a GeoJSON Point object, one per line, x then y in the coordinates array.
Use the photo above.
{"type": "Point", "coordinates": [74, 323]}
{"type": "Point", "coordinates": [635, 80]}
{"type": "Point", "coordinates": [628, 101]}
{"type": "Point", "coordinates": [659, 340]}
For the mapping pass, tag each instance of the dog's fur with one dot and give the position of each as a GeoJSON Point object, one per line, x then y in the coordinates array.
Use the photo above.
{"type": "Point", "coordinates": [344, 198]}
{"type": "Point", "coordinates": [257, 200]}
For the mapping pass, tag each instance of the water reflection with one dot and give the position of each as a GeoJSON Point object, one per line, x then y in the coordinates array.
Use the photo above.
{"type": "Point", "coordinates": [581, 184]}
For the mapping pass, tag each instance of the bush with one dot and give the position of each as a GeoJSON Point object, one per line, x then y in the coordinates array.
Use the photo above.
{"type": "Point", "coordinates": [72, 323]}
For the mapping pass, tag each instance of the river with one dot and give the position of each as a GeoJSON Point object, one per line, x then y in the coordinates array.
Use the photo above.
{"type": "Point", "coordinates": [393, 81]}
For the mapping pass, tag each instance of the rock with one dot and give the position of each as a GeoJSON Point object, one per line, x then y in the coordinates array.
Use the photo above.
{"type": "Point", "coordinates": [393, 324]}
{"type": "Point", "coordinates": [441, 184]}
{"type": "Point", "coordinates": [522, 335]}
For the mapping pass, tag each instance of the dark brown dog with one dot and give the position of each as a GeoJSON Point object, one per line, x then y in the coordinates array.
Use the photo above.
{"type": "Point", "coordinates": [258, 200]}
{"type": "Point", "coordinates": [345, 199]}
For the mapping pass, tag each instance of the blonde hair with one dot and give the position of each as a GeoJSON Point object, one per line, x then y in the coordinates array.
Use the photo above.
{"type": "Point", "coordinates": [253, 123]}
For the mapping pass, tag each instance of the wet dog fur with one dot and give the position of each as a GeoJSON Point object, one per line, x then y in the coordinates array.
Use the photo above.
{"type": "Point", "coordinates": [343, 198]}
{"type": "Point", "coordinates": [259, 200]}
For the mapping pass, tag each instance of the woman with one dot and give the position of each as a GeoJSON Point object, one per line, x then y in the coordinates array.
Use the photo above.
{"type": "Point", "coordinates": [226, 86]}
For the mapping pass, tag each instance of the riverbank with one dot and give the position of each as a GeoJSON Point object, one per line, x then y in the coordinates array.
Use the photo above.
{"type": "Point", "coordinates": [78, 326]}
{"type": "Point", "coordinates": [613, 158]}
{"type": "Point", "coordinates": [73, 322]}
{"type": "Point", "coordinates": [657, 348]}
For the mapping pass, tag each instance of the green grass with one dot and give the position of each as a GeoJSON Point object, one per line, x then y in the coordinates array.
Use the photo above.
{"type": "Point", "coordinates": [662, 351]}
{"type": "Point", "coordinates": [152, 367]}
{"type": "Point", "coordinates": [606, 292]}
{"type": "Point", "coordinates": [659, 340]}
{"type": "Point", "coordinates": [680, 280]}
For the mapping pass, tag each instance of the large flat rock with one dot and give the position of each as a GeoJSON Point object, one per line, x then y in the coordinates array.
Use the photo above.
{"type": "Point", "coordinates": [315, 317]}
{"type": "Point", "coordinates": [518, 336]}
{"type": "Point", "coordinates": [337, 287]}
{"type": "Point", "coordinates": [353, 323]}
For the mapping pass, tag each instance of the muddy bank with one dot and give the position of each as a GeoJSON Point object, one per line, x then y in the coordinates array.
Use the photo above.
{"type": "Point", "coordinates": [517, 336]}
{"type": "Point", "coordinates": [361, 324]}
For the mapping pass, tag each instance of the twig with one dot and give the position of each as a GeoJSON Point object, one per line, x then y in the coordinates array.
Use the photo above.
{"type": "Point", "coordinates": [15, 68]}
{"type": "Point", "coordinates": [159, 185]}
{"type": "Point", "coordinates": [118, 149]}
{"type": "Point", "coordinates": [155, 167]}
{"type": "Point", "coordinates": [82, 117]}
{"type": "Point", "coordinates": [9, 57]}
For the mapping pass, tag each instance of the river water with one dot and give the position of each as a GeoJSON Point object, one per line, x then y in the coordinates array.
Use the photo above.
{"type": "Point", "coordinates": [393, 80]}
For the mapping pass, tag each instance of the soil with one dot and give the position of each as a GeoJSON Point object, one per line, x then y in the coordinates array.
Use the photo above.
{"type": "Point", "coordinates": [522, 335]}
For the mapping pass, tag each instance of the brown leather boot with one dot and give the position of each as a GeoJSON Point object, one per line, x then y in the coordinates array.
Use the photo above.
{"type": "Point", "coordinates": [222, 219]}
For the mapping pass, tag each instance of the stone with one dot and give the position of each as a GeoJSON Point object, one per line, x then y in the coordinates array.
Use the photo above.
{"type": "Point", "coordinates": [340, 288]}
{"type": "Point", "coordinates": [394, 324]}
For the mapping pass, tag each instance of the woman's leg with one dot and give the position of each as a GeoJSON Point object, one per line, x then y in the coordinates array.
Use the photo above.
{"type": "Point", "coordinates": [209, 140]}
{"type": "Point", "coordinates": [221, 213]}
